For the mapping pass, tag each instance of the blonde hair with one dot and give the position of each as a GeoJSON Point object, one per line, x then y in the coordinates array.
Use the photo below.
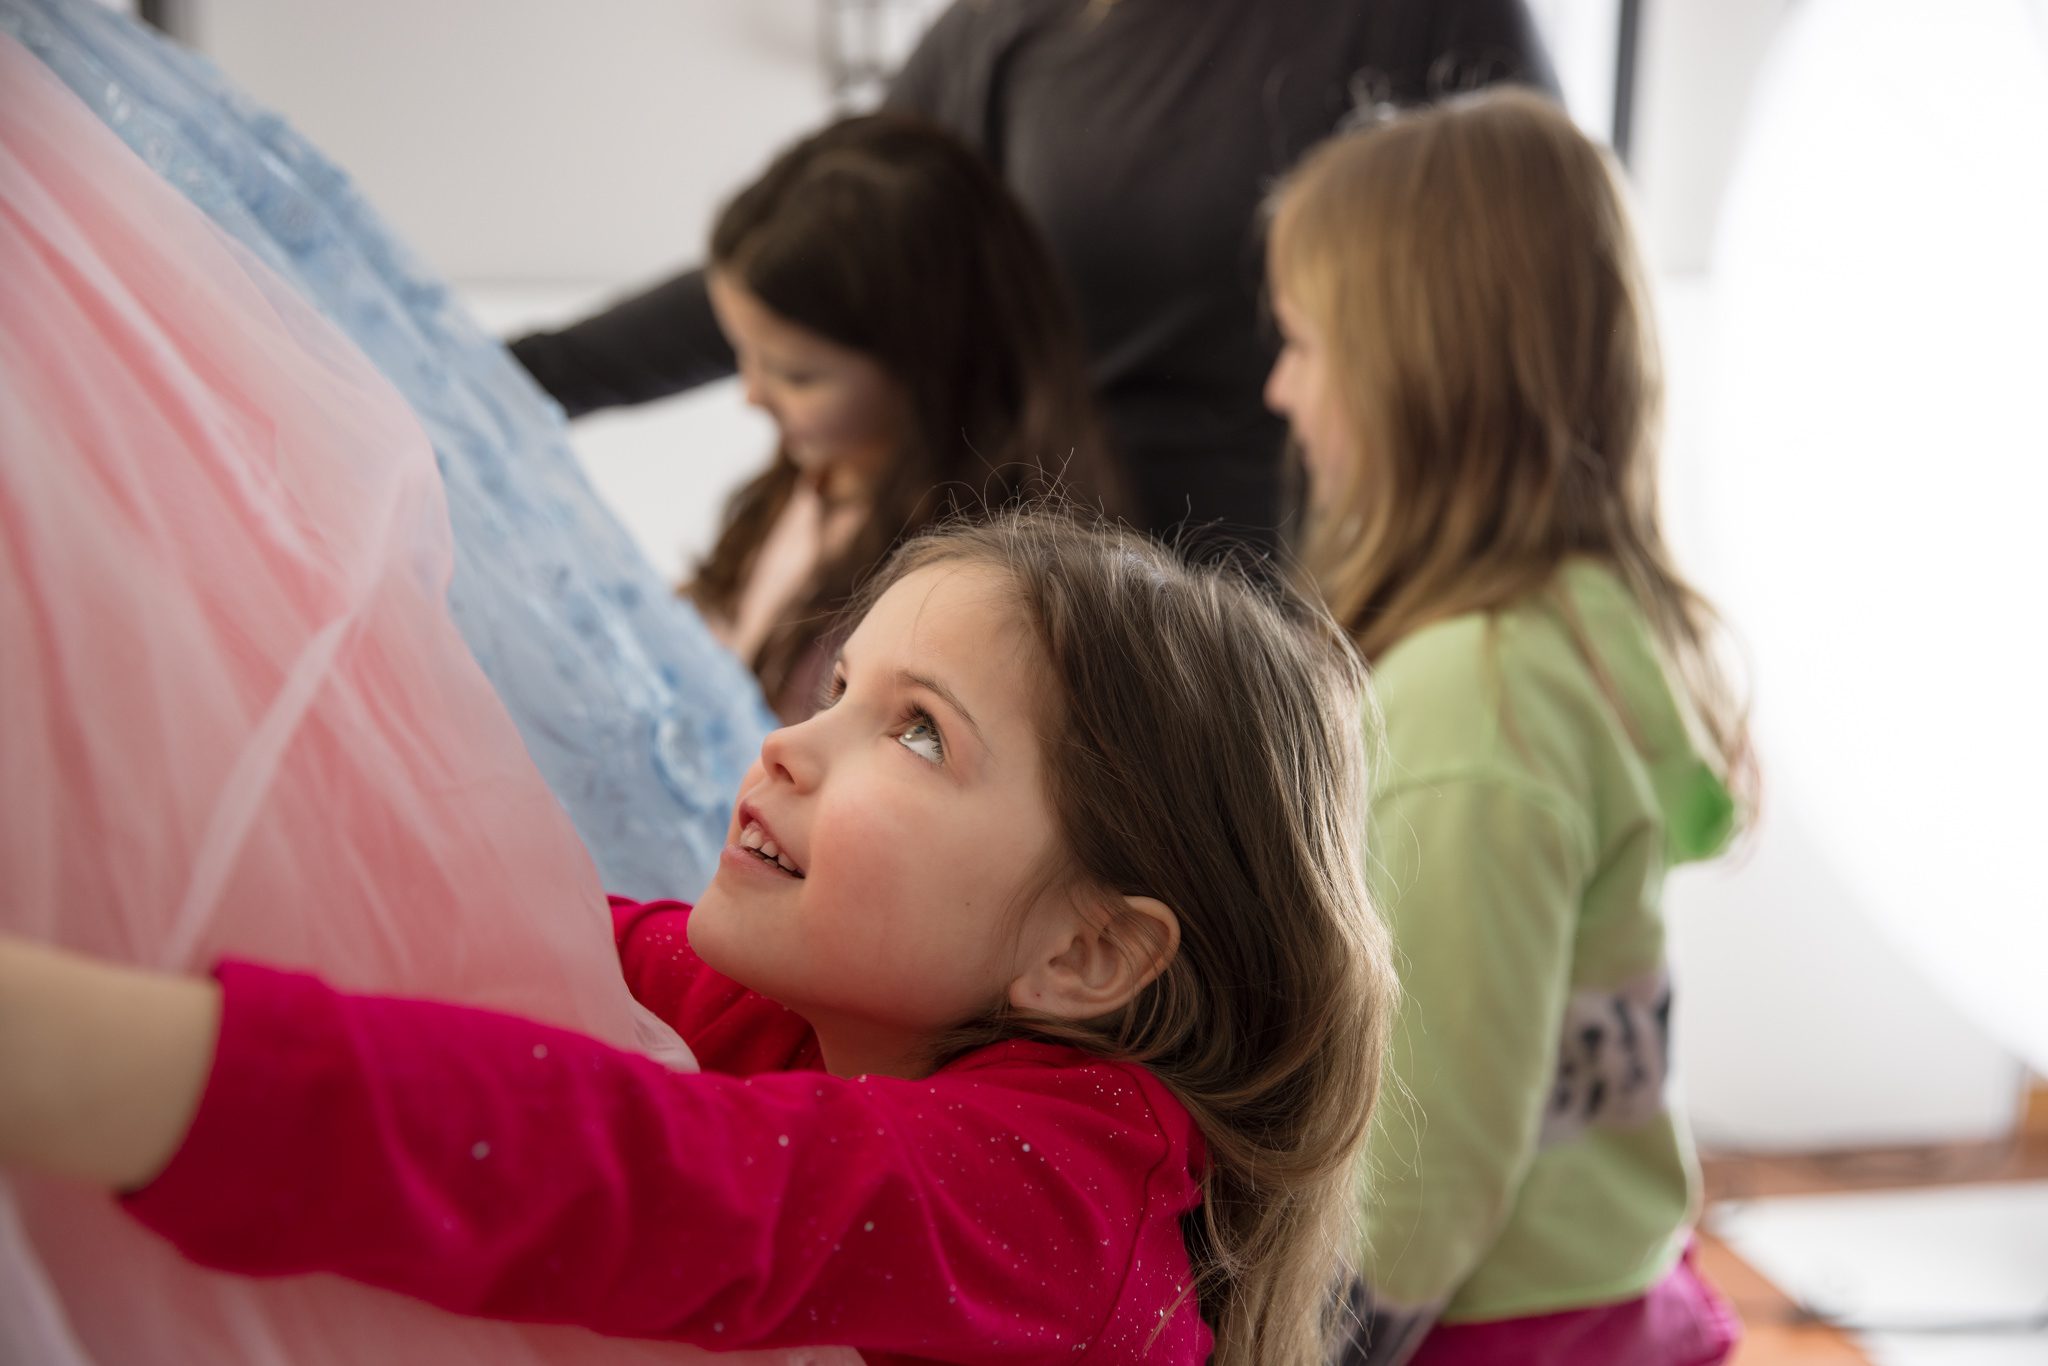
{"type": "Point", "coordinates": [1203, 747]}
{"type": "Point", "coordinates": [1472, 271]}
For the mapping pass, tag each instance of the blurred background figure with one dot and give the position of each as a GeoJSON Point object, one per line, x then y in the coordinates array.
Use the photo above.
{"type": "Point", "coordinates": [1140, 135]}
{"type": "Point", "coordinates": [895, 314]}
{"type": "Point", "coordinates": [1469, 361]}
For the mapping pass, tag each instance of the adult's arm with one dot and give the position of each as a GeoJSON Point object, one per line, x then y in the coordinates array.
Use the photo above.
{"type": "Point", "coordinates": [660, 341]}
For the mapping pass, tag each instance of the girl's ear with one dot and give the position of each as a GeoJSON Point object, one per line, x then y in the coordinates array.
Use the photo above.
{"type": "Point", "coordinates": [1099, 958]}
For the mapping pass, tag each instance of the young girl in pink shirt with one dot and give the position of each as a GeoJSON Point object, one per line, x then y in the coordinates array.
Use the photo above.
{"type": "Point", "coordinates": [1038, 996]}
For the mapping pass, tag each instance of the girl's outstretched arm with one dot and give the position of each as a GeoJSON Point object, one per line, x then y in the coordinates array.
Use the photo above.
{"type": "Point", "coordinates": [503, 1168]}
{"type": "Point", "coordinates": [101, 1067]}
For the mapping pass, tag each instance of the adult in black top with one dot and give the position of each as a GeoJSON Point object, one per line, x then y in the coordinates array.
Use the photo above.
{"type": "Point", "coordinates": [1142, 136]}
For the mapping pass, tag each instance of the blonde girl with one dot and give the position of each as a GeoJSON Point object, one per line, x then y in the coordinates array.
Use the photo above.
{"type": "Point", "coordinates": [1469, 368]}
{"type": "Point", "coordinates": [1039, 1001]}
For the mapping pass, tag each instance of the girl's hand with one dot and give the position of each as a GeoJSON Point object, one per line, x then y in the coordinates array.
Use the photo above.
{"type": "Point", "coordinates": [101, 1067]}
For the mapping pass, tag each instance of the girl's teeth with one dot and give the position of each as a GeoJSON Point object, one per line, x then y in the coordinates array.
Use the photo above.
{"type": "Point", "coordinates": [752, 837]}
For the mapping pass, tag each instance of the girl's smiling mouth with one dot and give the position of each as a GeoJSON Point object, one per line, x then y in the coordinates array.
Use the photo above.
{"type": "Point", "coordinates": [759, 841]}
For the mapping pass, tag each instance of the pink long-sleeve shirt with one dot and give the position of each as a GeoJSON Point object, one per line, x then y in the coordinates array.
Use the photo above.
{"type": "Point", "coordinates": [1023, 1203]}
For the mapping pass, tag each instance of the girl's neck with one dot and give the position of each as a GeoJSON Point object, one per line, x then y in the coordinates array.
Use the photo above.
{"type": "Point", "coordinates": [809, 531]}
{"type": "Point", "coordinates": [854, 1048]}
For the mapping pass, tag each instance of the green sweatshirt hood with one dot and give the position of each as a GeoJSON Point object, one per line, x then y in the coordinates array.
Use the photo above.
{"type": "Point", "coordinates": [1699, 811]}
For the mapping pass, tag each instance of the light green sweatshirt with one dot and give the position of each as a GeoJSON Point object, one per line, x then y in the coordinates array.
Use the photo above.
{"type": "Point", "coordinates": [1525, 810]}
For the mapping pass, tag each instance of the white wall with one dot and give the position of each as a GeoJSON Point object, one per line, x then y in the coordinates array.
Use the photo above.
{"type": "Point", "coordinates": [1799, 1023]}
{"type": "Point", "coordinates": [546, 157]}
{"type": "Point", "coordinates": [1696, 65]}
{"type": "Point", "coordinates": [1696, 71]}
{"type": "Point", "coordinates": [1802, 1021]}
{"type": "Point", "coordinates": [524, 140]}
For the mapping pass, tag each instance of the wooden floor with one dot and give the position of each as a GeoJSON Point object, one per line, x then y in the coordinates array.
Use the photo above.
{"type": "Point", "coordinates": [1775, 1333]}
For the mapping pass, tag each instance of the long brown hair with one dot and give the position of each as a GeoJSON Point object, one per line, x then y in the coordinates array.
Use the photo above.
{"type": "Point", "coordinates": [1473, 272]}
{"type": "Point", "coordinates": [887, 235]}
{"type": "Point", "coordinates": [1203, 746]}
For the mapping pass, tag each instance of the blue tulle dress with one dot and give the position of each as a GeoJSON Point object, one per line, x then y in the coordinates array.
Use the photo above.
{"type": "Point", "coordinates": [640, 722]}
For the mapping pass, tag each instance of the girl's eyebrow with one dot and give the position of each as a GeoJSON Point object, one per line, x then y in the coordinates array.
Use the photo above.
{"type": "Point", "coordinates": [908, 678]}
{"type": "Point", "coordinates": [946, 694]}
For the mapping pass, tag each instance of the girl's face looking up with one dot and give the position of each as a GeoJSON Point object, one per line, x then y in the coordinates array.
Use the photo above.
{"type": "Point", "coordinates": [840, 414]}
{"type": "Point", "coordinates": [1303, 389]}
{"type": "Point", "coordinates": [874, 866]}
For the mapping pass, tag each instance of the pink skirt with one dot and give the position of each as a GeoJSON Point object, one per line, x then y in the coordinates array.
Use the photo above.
{"type": "Point", "coordinates": [235, 718]}
{"type": "Point", "coordinates": [1681, 1322]}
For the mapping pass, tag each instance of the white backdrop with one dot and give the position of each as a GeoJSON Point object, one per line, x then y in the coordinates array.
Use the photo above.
{"type": "Point", "coordinates": [1881, 470]}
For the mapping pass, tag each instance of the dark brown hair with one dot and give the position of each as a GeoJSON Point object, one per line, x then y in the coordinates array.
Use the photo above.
{"type": "Point", "coordinates": [1202, 733]}
{"type": "Point", "coordinates": [887, 235]}
{"type": "Point", "coordinates": [1473, 271]}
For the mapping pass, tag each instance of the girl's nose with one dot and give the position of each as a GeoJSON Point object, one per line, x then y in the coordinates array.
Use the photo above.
{"type": "Point", "coordinates": [1276, 386]}
{"type": "Point", "coordinates": [750, 389]}
{"type": "Point", "coordinates": [792, 754]}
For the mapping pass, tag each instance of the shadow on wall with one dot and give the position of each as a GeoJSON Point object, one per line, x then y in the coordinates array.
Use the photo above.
{"type": "Point", "coordinates": [1867, 488]}
{"type": "Point", "coordinates": [1801, 1027]}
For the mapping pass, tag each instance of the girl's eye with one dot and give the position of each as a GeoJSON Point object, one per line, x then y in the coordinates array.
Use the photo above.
{"type": "Point", "coordinates": [921, 737]}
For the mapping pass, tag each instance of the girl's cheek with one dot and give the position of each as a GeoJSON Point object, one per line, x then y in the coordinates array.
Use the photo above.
{"type": "Point", "coordinates": [816, 418]}
{"type": "Point", "coordinates": [876, 836]}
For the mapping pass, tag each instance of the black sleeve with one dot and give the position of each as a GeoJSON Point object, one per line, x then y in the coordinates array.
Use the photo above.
{"type": "Point", "coordinates": [929, 80]}
{"type": "Point", "coordinates": [952, 75]}
{"type": "Point", "coordinates": [656, 343]}
{"type": "Point", "coordinates": [1429, 49]}
{"type": "Point", "coordinates": [1496, 40]}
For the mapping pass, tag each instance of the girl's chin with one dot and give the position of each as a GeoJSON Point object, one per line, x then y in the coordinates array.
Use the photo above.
{"type": "Point", "coordinates": [1321, 485]}
{"type": "Point", "coordinates": [811, 458]}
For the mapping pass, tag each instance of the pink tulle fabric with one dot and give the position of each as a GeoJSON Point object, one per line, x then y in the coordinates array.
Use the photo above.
{"type": "Point", "coordinates": [235, 718]}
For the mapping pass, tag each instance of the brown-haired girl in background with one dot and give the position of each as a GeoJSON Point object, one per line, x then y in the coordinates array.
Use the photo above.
{"type": "Point", "coordinates": [1470, 370]}
{"type": "Point", "coordinates": [895, 313]}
